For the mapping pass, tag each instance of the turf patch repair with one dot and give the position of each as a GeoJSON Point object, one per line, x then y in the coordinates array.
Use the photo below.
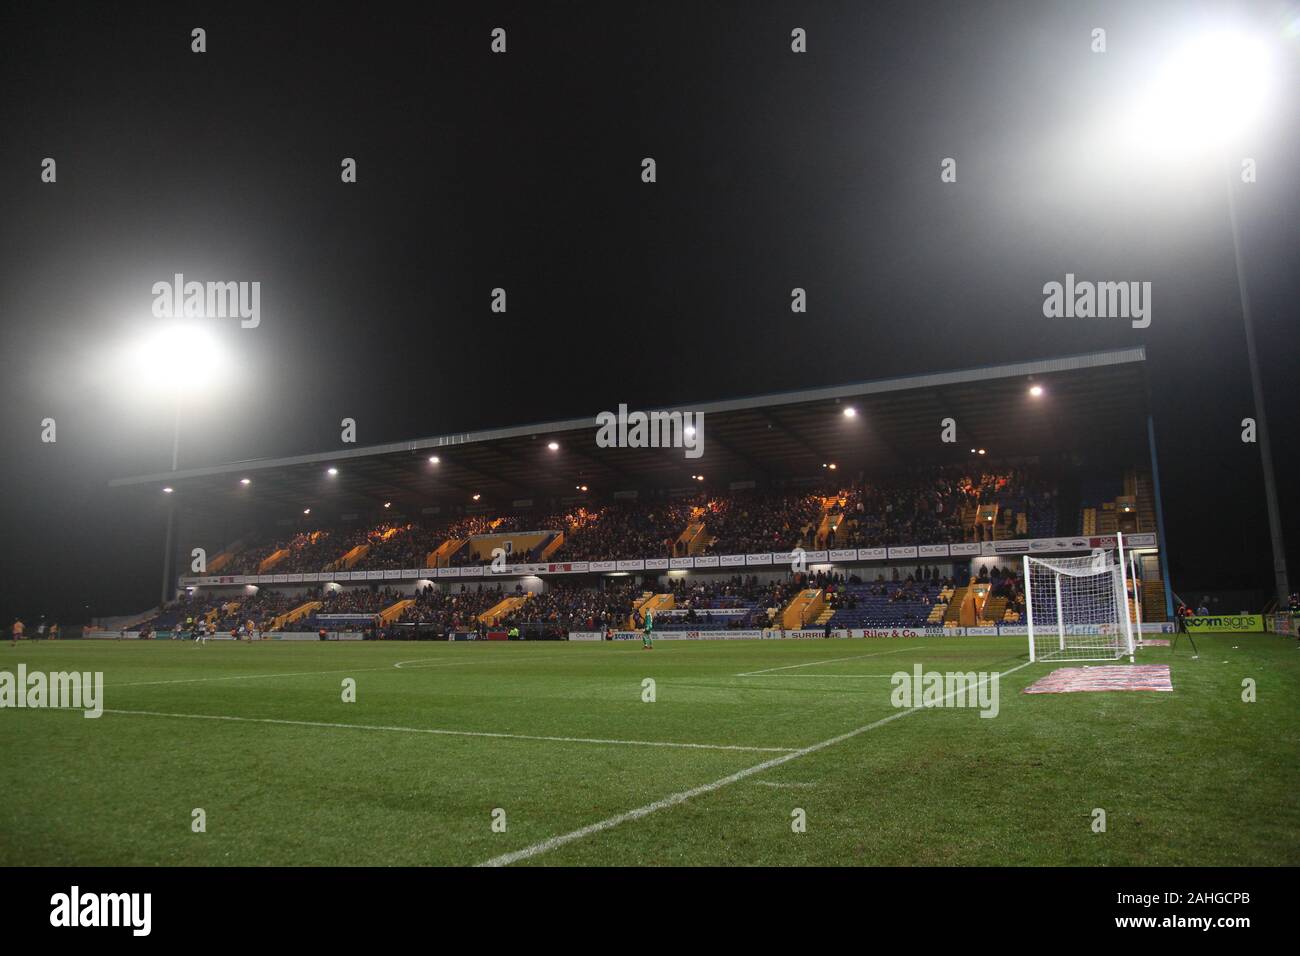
{"type": "Point", "coordinates": [1068, 680]}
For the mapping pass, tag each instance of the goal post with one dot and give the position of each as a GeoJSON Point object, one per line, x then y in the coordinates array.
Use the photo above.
{"type": "Point", "coordinates": [1077, 608]}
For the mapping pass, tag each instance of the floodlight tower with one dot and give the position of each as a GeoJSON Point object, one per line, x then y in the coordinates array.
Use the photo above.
{"type": "Point", "coordinates": [1210, 91]}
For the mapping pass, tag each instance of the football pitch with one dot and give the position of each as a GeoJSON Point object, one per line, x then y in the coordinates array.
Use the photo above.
{"type": "Point", "coordinates": [551, 754]}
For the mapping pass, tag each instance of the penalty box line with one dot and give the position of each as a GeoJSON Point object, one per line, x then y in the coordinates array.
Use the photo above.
{"type": "Point", "coordinates": [829, 660]}
{"type": "Point", "coordinates": [673, 800]}
{"type": "Point", "coordinates": [452, 733]}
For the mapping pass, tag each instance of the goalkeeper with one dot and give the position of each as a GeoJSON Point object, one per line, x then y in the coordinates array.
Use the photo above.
{"type": "Point", "coordinates": [648, 632]}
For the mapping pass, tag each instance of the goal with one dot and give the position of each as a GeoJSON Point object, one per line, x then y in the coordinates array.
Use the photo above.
{"type": "Point", "coordinates": [1077, 608]}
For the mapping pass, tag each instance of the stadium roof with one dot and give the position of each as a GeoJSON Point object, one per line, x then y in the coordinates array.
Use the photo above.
{"type": "Point", "coordinates": [1093, 401]}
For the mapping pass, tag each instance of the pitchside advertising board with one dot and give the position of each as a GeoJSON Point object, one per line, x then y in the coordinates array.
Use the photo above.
{"type": "Point", "coordinates": [1226, 624]}
{"type": "Point", "coordinates": [921, 552]}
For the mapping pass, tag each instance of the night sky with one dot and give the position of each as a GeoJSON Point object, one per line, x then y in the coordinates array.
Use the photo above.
{"type": "Point", "coordinates": [477, 170]}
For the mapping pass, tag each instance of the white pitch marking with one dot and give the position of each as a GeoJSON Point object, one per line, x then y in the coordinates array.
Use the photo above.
{"type": "Point", "coordinates": [673, 800]}
{"type": "Point", "coordinates": [451, 733]}
{"type": "Point", "coordinates": [344, 670]}
{"type": "Point", "coordinates": [783, 786]}
{"type": "Point", "coordinates": [823, 676]}
{"type": "Point", "coordinates": [830, 660]}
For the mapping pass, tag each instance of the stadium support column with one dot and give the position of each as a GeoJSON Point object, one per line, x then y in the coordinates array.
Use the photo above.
{"type": "Point", "coordinates": [167, 554]}
{"type": "Point", "coordinates": [1261, 424]}
{"type": "Point", "coordinates": [1160, 519]}
{"type": "Point", "coordinates": [168, 548]}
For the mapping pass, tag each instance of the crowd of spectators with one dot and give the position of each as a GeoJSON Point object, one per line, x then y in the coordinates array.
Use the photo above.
{"type": "Point", "coordinates": [754, 521]}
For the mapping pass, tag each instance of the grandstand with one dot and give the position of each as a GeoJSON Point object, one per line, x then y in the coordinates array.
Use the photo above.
{"type": "Point", "coordinates": [839, 506]}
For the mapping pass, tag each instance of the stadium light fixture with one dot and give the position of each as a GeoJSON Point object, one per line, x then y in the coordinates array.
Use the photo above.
{"type": "Point", "coordinates": [168, 490]}
{"type": "Point", "coordinates": [183, 348]}
{"type": "Point", "coordinates": [331, 472]}
{"type": "Point", "coordinates": [1211, 89]}
{"type": "Point", "coordinates": [245, 481]}
{"type": "Point", "coordinates": [982, 451]}
{"type": "Point", "coordinates": [583, 488]}
{"type": "Point", "coordinates": [434, 459]}
{"type": "Point", "coordinates": [476, 497]}
{"type": "Point", "coordinates": [388, 504]}
{"type": "Point", "coordinates": [1036, 391]}
{"type": "Point", "coordinates": [850, 412]}
{"type": "Point", "coordinates": [831, 466]}
{"type": "Point", "coordinates": [306, 511]}
{"type": "Point", "coordinates": [553, 446]}
{"type": "Point", "coordinates": [689, 431]}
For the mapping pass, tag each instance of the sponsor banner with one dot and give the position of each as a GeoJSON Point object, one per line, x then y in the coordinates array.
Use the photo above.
{"type": "Point", "coordinates": [462, 636]}
{"type": "Point", "coordinates": [1013, 629]}
{"type": "Point", "coordinates": [681, 563]}
{"type": "Point", "coordinates": [908, 552]}
{"type": "Point", "coordinates": [1010, 547]}
{"type": "Point", "coordinates": [498, 635]}
{"type": "Point", "coordinates": [602, 565]}
{"type": "Point", "coordinates": [872, 554]}
{"type": "Point", "coordinates": [586, 636]}
{"type": "Point", "coordinates": [1107, 542]}
{"type": "Point", "coordinates": [709, 561]}
{"type": "Point", "coordinates": [884, 632]}
{"type": "Point", "coordinates": [751, 559]}
{"type": "Point", "coordinates": [1143, 539]}
{"type": "Point", "coordinates": [450, 572]}
{"type": "Point", "coordinates": [472, 572]}
{"type": "Point", "coordinates": [732, 560]}
{"type": "Point", "coordinates": [964, 547]}
{"type": "Point", "coordinates": [410, 573]}
{"type": "Point", "coordinates": [313, 636]}
{"type": "Point", "coordinates": [656, 564]}
{"type": "Point", "coordinates": [1226, 624]}
{"type": "Point", "coordinates": [209, 580]}
{"type": "Point", "coordinates": [374, 575]}
{"type": "Point", "coordinates": [986, 547]}
{"type": "Point", "coordinates": [1157, 628]}
{"type": "Point", "coordinates": [1058, 544]}
{"type": "Point", "coordinates": [627, 635]}
{"type": "Point", "coordinates": [989, 630]}
{"type": "Point", "coordinates": [807, 634]}
{"type": "Point", "coordinates": [847, 554]}
{"type": "Point", "coordinates": [570, 567]}
{"type": "Point", "coordinates": [295, 578]}
{"type": "Point", "coordinates": [631, 565]}
{"type": "Point", "coordinates": [934, 630]}
{"type": "Point", "coordinates": [933, 551]}
{"type": "Point", "coordinates": [817, 557]}
{"type": "Point", "coordinates": [428, 572]}
{"type": "Point", "coordinates": [706, 635]}
{"type": "Point", "coordinates": [280, 578]}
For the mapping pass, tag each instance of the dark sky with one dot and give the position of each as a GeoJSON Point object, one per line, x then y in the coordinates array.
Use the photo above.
{"type": "Point", "coordinates": [522, 170]}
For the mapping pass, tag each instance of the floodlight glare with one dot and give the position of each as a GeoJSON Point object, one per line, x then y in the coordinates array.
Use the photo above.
{"type": "Point", "coordinates": [850, 412]}
{"type": "Point", "coordinates": [176, 350]}
{"type": "Point", "coordinates": [553, 446]}
{"type": "Point", "coordinates": [1036, 391]}
{"type": "Point", "coordinates": [1208, 91]}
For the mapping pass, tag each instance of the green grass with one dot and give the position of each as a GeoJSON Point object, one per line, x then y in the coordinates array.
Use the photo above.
{"type": "Point", "coordinates": [1192, 777]}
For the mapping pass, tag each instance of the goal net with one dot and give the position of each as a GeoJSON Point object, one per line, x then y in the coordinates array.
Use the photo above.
{"type": "Point", "coordinates": [1077, 608]}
